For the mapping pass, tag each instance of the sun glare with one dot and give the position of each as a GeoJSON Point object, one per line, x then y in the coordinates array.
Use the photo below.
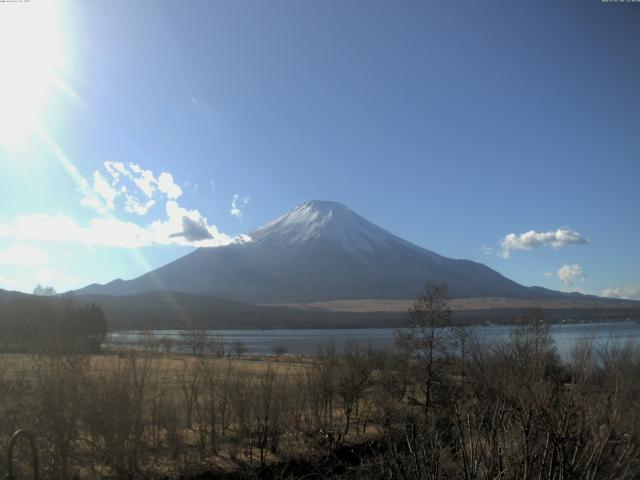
{"type": "Point", "coordinates": [30, 55]}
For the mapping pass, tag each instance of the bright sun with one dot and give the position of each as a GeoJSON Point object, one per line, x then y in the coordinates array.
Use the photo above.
{"type": "Point", "coordinates": [30, 56]}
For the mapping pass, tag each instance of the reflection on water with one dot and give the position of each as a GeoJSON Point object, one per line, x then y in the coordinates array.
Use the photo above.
{"type": "Point", "coordinates": [307, 342]}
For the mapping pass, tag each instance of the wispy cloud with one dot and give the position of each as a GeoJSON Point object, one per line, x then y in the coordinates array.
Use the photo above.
{"type": "Point", "coordinates": [200, 107]}
{"type": "Point", "coordinates": [237, 205]}
{"type": "Point", "coordinates": [487, 250]}
{"type": "Point", "coordinates": [559, 238]}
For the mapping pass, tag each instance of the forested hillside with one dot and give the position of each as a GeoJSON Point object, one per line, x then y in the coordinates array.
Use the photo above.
{"type": "Point", "coordinates": [33, 323]}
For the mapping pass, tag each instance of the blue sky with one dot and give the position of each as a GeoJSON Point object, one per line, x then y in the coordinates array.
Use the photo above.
{"type": "Point", "coordinates": [451, 124]}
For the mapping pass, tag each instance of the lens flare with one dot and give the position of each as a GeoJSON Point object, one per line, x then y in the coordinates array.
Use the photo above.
{"type": "Point", "coordinates": [30, 55]}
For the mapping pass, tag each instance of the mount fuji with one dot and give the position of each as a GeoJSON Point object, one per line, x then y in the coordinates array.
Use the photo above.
{"type": "Point", "coordinates": [321, 251]}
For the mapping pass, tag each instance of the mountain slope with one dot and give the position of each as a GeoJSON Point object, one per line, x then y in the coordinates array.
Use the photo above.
{"type": "Point", "coordinates": [175, 310]}
{"type": "Point", "coordinates": [8, 295]}
{"type": "Point", "coordinates": [320, 251]}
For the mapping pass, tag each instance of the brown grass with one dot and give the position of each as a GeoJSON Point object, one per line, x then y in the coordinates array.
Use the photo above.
{"type": "Point", "coordinates": [376, 305]}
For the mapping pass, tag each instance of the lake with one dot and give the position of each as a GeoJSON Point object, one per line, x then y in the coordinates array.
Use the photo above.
{"type": "Point", "coordinates": [307, 342]}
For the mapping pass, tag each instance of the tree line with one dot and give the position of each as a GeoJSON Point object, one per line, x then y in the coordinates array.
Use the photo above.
{"type": "Point", "coordinates": [44, 323]}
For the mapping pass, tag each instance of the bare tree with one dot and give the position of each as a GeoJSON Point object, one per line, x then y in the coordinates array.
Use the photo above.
{"type": "Point", "coordinates": [216, 345]}
{"type": "Point", "coordinates": [240, 348]}
{"type": "Point", "coordinates": [196, 340]}
{"type": "Point", "coordinates": [167, 344]}
{"type": "Point", "coordinates": [44, 291]}
{"type": "Point", "coordinates": [279, 350]}
{"type": "Point", "coordinates": [422, 335]}
{"type": "Point", "coordinates": [353, 378]}
{"type": "Point", "coordinates": [461, 337]}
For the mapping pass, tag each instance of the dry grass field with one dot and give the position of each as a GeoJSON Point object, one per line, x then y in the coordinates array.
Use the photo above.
{"type": "Point", "coordinates": [144, 413]}
{"type": "Point", "coordinates": [472, 411]}
{"type": "Point", "coordinates": [457, 304]}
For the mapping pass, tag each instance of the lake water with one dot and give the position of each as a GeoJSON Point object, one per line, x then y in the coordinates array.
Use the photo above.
{"type": "Point", "coordinates": [307, 342]}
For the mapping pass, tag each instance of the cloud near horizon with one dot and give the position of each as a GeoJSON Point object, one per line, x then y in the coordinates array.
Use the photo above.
{"type": "Point", "coordinates": [143, 189]}
{"type": "Point", "coordinates": [47, 276]}
{"type": "Point", "coordinates": [627, 292]}
{"type": "Point", "coordinates": [559, 238]}
{"type": "Point", "coordinates": [112, 232]}
{"type": "Point", "coordinates": [23, 256]}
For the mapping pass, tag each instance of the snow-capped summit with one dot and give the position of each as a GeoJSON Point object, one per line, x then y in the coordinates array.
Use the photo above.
{"type": "Point", "coordinates": [319, 220]}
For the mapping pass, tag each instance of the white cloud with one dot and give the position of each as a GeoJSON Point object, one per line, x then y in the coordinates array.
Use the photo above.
{"type": "Point", "coordinates": [111, 232]}
{"type": "Point", "coordinates": [532, 239]}
{"type": "Point", "coordinates": [237, 204]}
{"type": "Point", "coordinates": [180, 226]}
{"type": "Point", "coordinates": [116, 169]}
{"type": "Point", "coordinates": [145, 180]}
{"type": "Point", "coordinates": [104, 189]}
{"type": "Point", "coordinates": [138, 198]}
{"type": "Point", "coordinates": [134, 205]}
{"type": "Point", "coordinates": [90, 200]}
{"type": "Point", "coordinates": [628, 292]}
{"type": "Point", "coordinates": [569, 274]}
{"type": "Point", "coordinates": [172, 230]}
{"type": "Point", "coordinates": [549, 274]}
{"type": "Point", "coordinates": [23, 255]}
{"type": "Point", "coordinates": [168, 186]}
{"type": "Point", "coordinates": [61, 228]}
{"type": "Point", "coordinates": [99, 197]}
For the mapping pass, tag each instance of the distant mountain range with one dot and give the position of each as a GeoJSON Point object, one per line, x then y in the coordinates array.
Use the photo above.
{"type": "Point", "coordinates": [321, 251]}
